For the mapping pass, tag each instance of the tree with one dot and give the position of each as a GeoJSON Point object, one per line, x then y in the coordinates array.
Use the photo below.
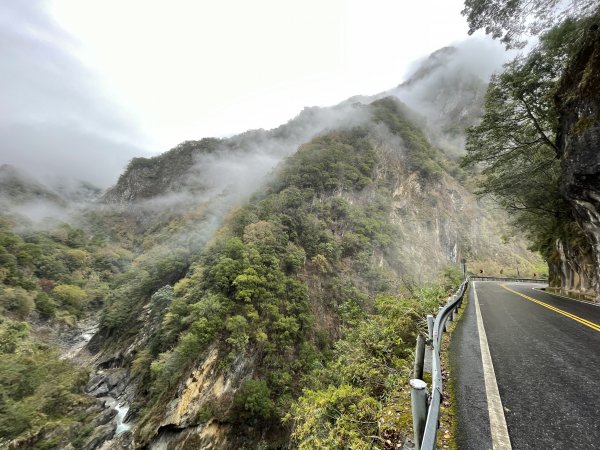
{"type": "Point", "coordinates": [510, 20]}
{"type": "Point", "coordinates": [515, 143]}
{"type": "Point", "coordinates": [71, 297]}
{"type": "Point", "coordinates": [253, 401]}
{"type": "Point", "coordinates": [161, 300]}
{"type": "Point", "coordinates": [515, 140]}
{"type": "Point", "coordinates": [45, 305]}
{"type": "Point", "coordinates": [18, 301]}
{"type": "Point", "coordinates": [38, 389]}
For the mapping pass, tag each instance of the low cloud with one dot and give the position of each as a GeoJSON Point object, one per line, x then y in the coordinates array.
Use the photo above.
{"type": "Point", "coordinates": [452, 76]}
{"type": "Point", "coordinates": [56, 119]}
{"type": "Point", "coordinates": [448, 87]}
{"type": "Point", "coordinates": [241, 164]}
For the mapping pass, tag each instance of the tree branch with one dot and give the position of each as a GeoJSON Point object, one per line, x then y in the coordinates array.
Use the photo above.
{"type": "Point", "coordinates": [537, 125]}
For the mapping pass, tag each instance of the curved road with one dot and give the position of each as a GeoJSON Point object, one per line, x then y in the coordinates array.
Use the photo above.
{"type": "Point", "coordinates": [545, 362]}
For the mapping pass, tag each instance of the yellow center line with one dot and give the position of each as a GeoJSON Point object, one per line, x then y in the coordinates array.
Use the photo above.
{"type": "Point", "coordinates": [587, 323]}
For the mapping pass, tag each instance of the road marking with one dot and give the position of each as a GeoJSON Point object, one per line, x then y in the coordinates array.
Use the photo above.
{"type": "Point", "coordinates": [597, 305]}
{"type": "Point", "coordinates": [581, 320]}
{"type": "Point", "coordinates": [498, 428]}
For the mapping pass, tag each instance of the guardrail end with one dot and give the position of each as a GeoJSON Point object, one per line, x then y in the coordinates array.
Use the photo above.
{"type": "Point", "coordinates": [418, 400]}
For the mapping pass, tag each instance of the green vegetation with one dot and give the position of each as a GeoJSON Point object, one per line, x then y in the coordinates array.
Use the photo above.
{"type": "Point", "coordinates": [38, 391]}
{"type": "Point", "coordinates": [291, 283]}
{"type": "Point", "coordinates": [359, 397]}
{"type": "Point", "coordinates": [58, 276]}
{"type": "Point", "coordinates": [299, 298]}
{"type": "Point", "coordinates": [58, 273]}
{"type": "Point", "coordinates": [421, 155]}
{"type": "Point", "coordinates": [511, 20]}
{"type": "Point", "coordinates": [515, 144]}
{"type": "Point", "coordinates": [245, 292]}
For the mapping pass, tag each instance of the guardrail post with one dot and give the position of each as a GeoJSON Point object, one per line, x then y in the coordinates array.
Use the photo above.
{"type": "Point", "coordinates": [418, 400]}
{"type": "Point", "coordinates": [419, 358]}
{"type": "Point", "coordinates": [429, 347]}
{"type": "Point", "coordinates": [450, 318]}
{"type": "Point", "coordinates": [430, 327]}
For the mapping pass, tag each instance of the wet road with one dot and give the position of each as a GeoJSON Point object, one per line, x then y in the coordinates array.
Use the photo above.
{"type": "Point", "coordinates": [545, 361]}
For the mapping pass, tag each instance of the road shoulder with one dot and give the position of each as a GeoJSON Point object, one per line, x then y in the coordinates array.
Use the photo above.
{"type": "Point", "coordinates": [472, 417]}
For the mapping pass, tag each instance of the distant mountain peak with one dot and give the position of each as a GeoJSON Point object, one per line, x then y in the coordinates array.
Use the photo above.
{"type": "Point", "coordinates": [10, 171]}
{"type": "Point", "coordinates": [448, 91]}
{"type": "Point", "coordinates": [17, 186]}
{"type": "Point", "coordinates": [433, 62]}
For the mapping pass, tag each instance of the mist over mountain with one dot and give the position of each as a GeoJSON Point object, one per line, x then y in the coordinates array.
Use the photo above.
{"type": "Point", "coordinates": [39, 200]}
{"type": "Point", "coordinates": [238, 163]}
{"type": "Point", "coordinates": [448, 89]}
{"type": "Point", "coordinates": [19, 187]}
{"type": "Point", "coordinates": [356, 195]}
{"type": "Point", "coordinates": [445, 91]}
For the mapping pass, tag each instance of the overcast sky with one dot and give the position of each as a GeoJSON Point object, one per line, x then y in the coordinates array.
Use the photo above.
{"type": "Point", "coordinates": [86, 85]}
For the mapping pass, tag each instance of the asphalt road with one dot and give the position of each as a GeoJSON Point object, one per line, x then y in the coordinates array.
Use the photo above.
{"type": "Point", "coordinates": [546, 362]}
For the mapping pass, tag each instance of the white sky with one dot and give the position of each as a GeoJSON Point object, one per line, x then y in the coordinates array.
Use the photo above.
{"type": "Point", "coordinates": [190, 69]}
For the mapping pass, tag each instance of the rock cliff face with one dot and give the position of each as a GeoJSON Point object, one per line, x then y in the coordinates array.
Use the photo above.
{"type": "Point", "coordinates": [578, 102]}
{"type": "Point", "coordinates": [573, 269]}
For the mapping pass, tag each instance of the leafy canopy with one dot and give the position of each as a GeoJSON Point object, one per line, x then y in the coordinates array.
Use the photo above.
{"type": "Point", "coordinates": [510, 20]}
{"type": "Point", "coordinates": [515, 143]}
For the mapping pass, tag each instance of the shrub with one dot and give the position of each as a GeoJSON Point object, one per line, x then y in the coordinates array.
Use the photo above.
{"type": "Point", "coordinates": [45, 305]}
{"type": "Point", "coordinates": [18, 301]}
{"type": "Point", "coordinates": [72, 298]}
{"type": "Point", "coordinates": [253, 402]}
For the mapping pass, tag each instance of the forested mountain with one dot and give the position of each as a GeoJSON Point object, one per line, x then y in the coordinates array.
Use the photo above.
{"type": "Point", "coordinates": [259, 291]}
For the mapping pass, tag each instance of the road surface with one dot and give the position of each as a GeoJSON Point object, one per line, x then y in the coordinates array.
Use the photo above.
{"type": "Point", "coordinates": [527, 374]}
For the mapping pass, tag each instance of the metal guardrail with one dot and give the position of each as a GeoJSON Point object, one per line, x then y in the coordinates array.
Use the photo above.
{"type": "Point", "coordinates": [426, 413]}
{"type": "Point", "coordinates": [425, 407]}
{"type": "Point", "coordinates": [518, 279]}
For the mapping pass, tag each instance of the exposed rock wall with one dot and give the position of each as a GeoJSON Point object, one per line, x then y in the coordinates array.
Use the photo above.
{"type": "Point", "coordinates": [578, 103]}
{"type": "Point", "coordinates": [573, 269]}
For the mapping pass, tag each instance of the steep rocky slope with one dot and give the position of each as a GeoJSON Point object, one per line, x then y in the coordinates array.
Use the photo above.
{"type": "Point", "coordinates": [577, 265]}
{"type": "Point", "coordinates": [448, 95]}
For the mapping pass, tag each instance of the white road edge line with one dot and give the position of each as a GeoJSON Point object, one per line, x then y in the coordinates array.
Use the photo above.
{"type": "Point", "coordinates": [498, 428]}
